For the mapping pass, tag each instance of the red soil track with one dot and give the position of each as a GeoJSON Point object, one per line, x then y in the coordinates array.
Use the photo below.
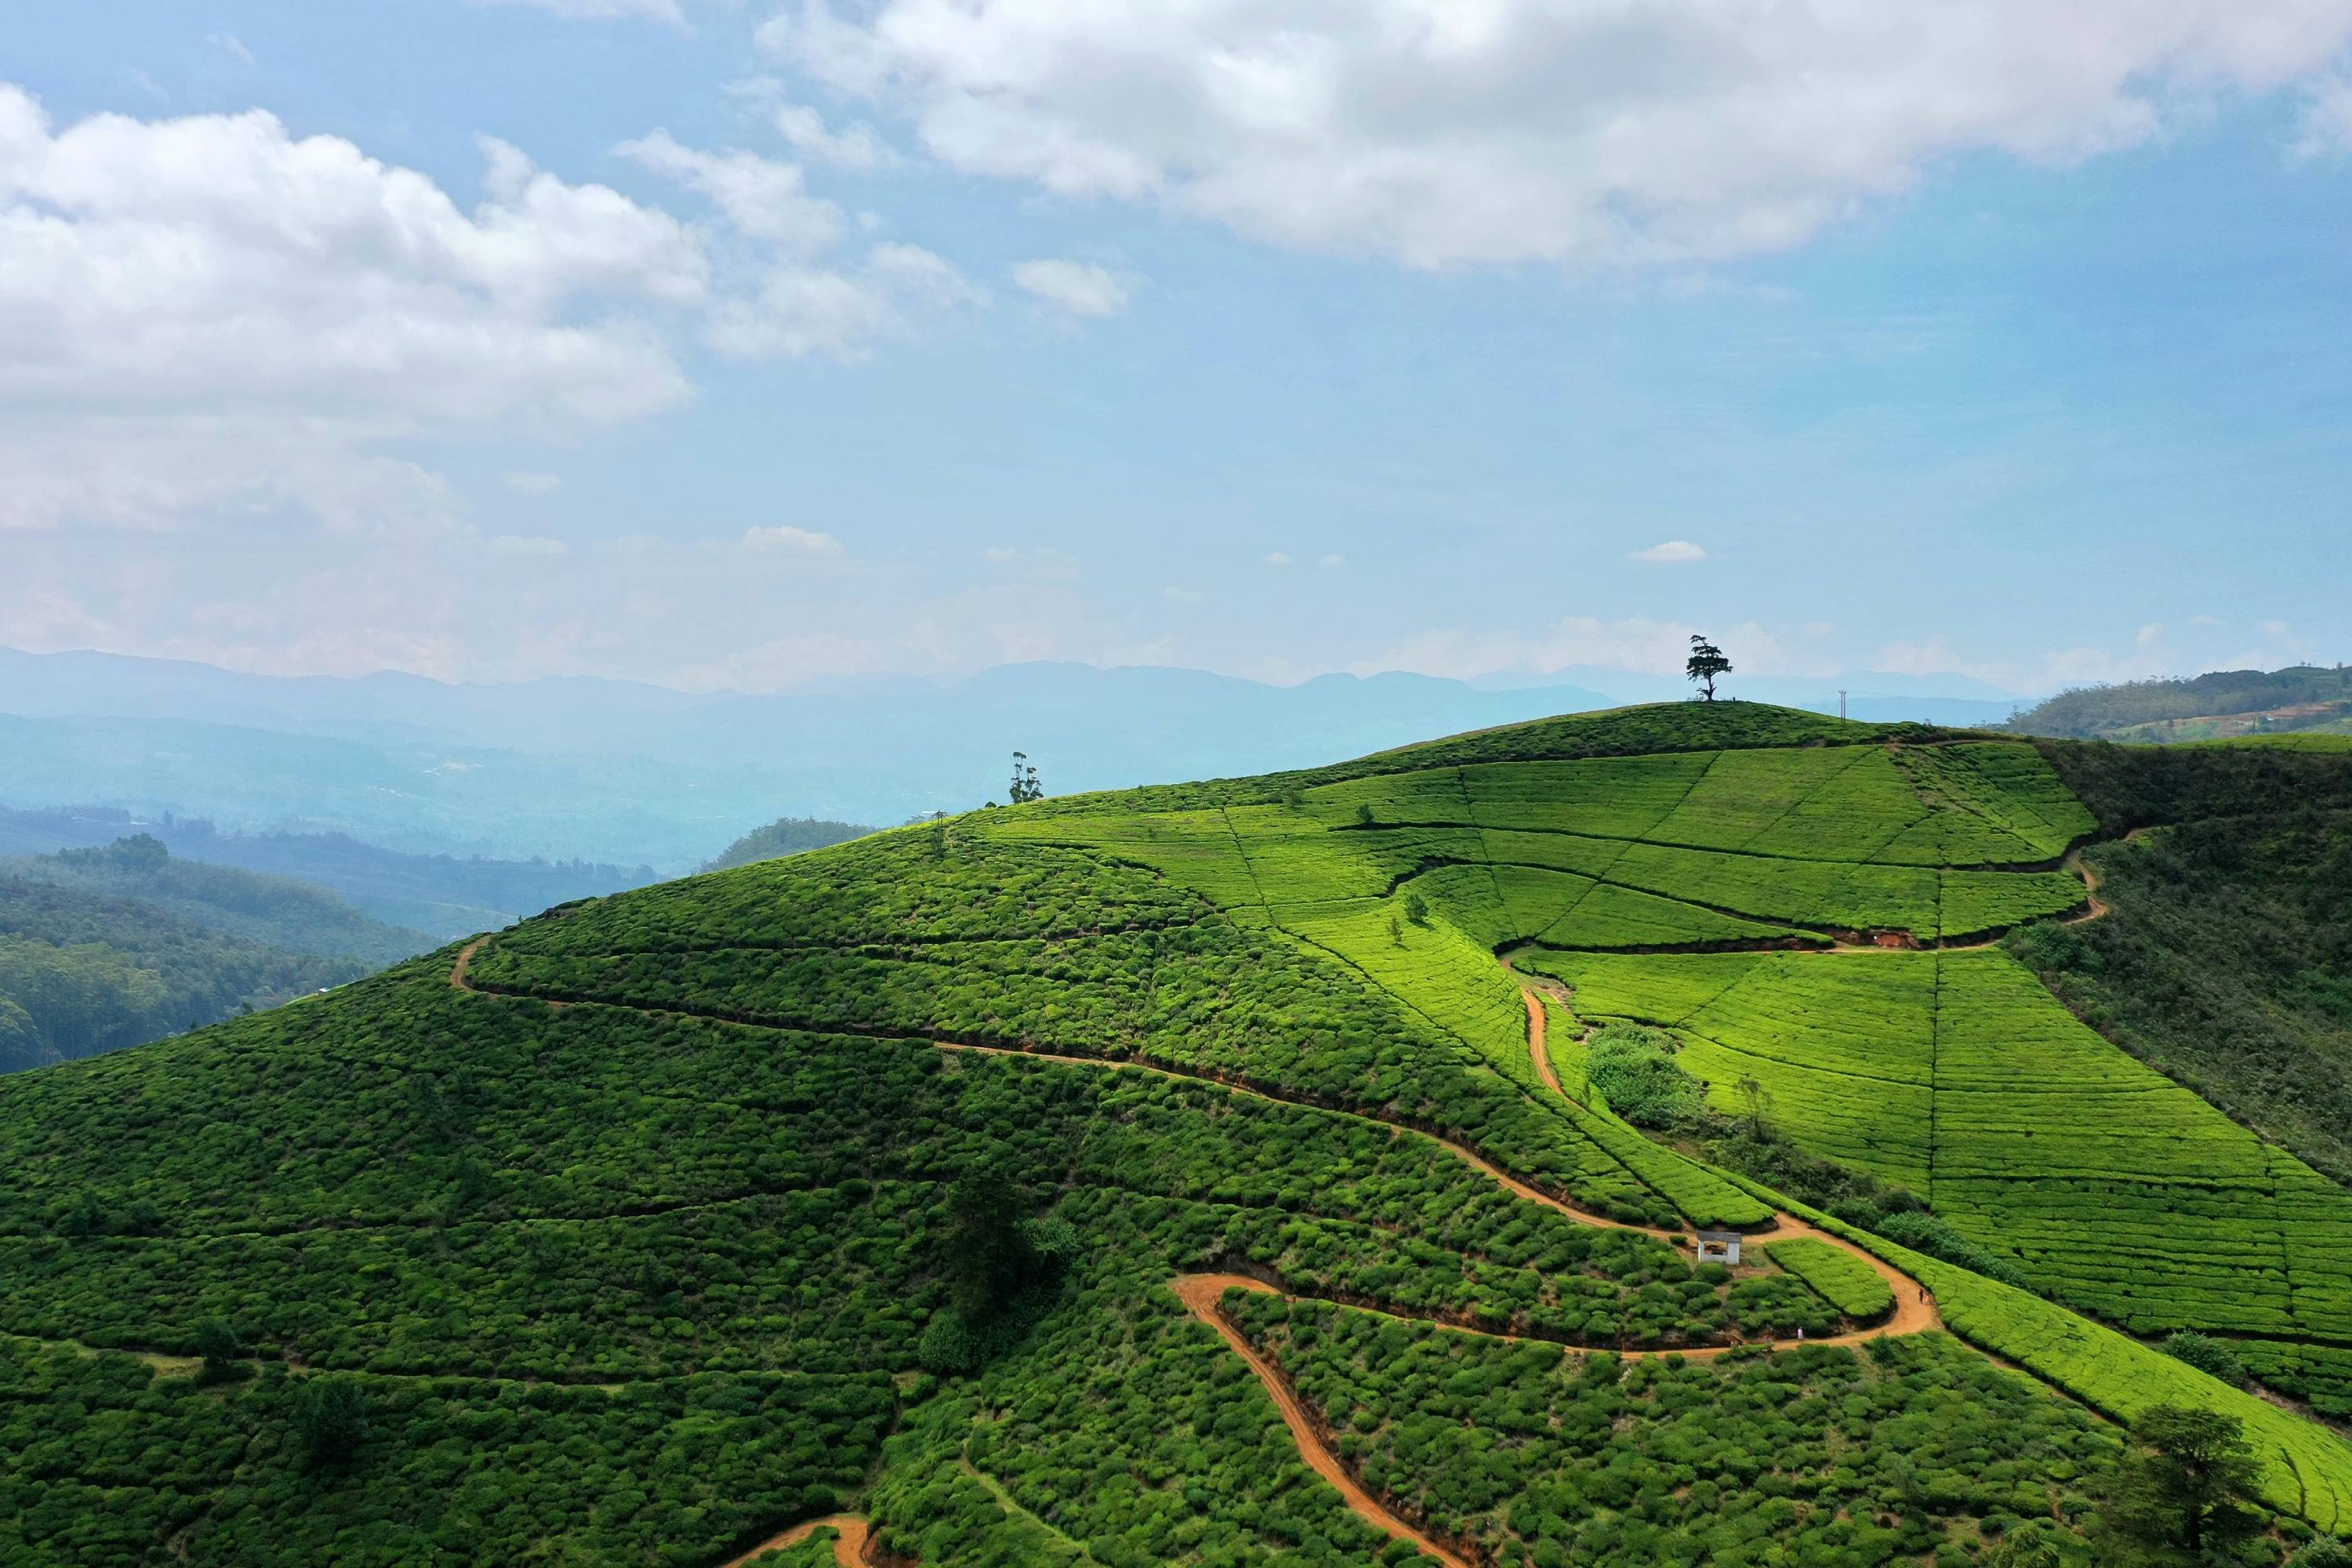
{"type": "Point", "coordinates": [1915, 1311]}
{"type": "Point", "coordinates": [848, 1540]}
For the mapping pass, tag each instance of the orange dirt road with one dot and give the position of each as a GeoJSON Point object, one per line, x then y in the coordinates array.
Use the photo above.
{"type": "Point", "coordinates": [1915, 1311]}
{"type": "Point", "coordinates": [1915, 1308]}
{"type": "Point", "coordinates": [1200, 1293]}
{"type": "Point", "coordinates": [848, 1540]}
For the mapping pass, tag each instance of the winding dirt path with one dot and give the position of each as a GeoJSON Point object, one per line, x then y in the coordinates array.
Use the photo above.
{"type": "Point", "coordinates": [1202, 1294]}
{"type": "Point", "coordinates": [1915, 1311]}
{"type": "Point", "coordinates": [848, 1540]}
{"type": "Point", "coordinates": [1915, 1305]}
{"type": "Point", "coordinates": [459, 978]}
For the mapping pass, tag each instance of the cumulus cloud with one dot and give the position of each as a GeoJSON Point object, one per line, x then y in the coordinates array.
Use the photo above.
{"type": "Point", "coordinates": [209, 307]}
{"type": "Point", "coordinates": [1672, 551]}
{"type": "Point", "coordinates": [796, 298]}
{"type": "Point", "coordinates": [1076, 289]}
{"type": "Point", "coordinates": [798, 312]}
{"type": "Point", "coordinates": [855, 147]}
{"type": "Point", "coordinates": [210, 312]}
{"type": "Point", "coordinates": [2327, 121]}
{"type": "Point", "coordinates": [761, 197]}
{"type": "Point", "coordinates": [523, 545]}
{"type": "Point", "coordinates": [791, 540]}
{"type": "Point", "coordinates": [1444, 133]}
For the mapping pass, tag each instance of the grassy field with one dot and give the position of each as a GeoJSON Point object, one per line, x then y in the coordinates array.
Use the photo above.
{"type": "Point", "coordinates": [662, 1234]}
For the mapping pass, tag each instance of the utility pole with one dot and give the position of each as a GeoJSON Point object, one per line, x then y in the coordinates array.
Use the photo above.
{"type": "Point", "coordinates": [1840, 704]}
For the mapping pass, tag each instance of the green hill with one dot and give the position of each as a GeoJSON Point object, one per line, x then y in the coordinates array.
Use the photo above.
{"type": "Point", "coordinates": [2222, 705]}
{"type": "Point", "coordinates": [276, 911]}
{"type": "Point", "coordinates": [82, 973]}
{"type": "Point", "coordinates": [1153, 1177]}
{"type": "Point", "coordinates": [785, 836]}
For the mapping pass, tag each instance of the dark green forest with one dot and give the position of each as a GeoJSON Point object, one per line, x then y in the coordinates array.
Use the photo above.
{"type": "Point", "coordinates": [2148, 709]}
{"type": "Point", "coordinates": [276, 911]}
{"type": "Point", "coordinates": [83, 972]}
{"type": "Point", "coordinates": [785, 836]}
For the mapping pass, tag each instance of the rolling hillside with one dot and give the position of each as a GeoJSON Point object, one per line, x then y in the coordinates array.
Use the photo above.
{"type": "Point", "coordinates": [2222, 705]}
{"type": "Point", "coordinates": [1201, 1174]}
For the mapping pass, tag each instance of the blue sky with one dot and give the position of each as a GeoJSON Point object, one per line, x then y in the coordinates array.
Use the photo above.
{"type": "Point", "coordinates": [1358, 347]}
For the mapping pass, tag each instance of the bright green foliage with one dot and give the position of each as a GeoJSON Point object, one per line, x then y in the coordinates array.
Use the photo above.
{"type": "Point", "coordinates": [2305, 1469]}
{"type": "Point", "coordinates": [814, 1550]}
{"type": "Point", "coordinates": [1636, 1072]}
{"type": "Point", "coordinates": [645, 1277]}
{"type": "Point", "coordinates": [1844, 1281]}
{"type": "Point", "coordinates": [2320, 1376]}
{"type": "Point", "coordinates": [2207, 1356]}
{"type": "Point", "coordinates": [97, 1467]}
{"type": "Point", "coordinates": [1555, 1459]}
{"type": "Point", "coordinates": [2227, 962]}
{"type": "Point", "coordinates": [1955, 1075]}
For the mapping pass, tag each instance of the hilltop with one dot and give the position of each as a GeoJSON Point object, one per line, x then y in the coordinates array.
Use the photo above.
{"type": "Point", "coordinates": [1241, 1171]}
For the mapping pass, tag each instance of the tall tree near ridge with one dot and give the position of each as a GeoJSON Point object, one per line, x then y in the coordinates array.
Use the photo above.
{"type": "Point", "coordinates": [1706, 662]}
{"type": "Point", "coordinates": [2185, 1487]}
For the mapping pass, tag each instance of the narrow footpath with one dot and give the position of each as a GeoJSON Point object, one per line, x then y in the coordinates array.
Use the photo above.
{"type": "Point", "coordinates": [849, 1539]}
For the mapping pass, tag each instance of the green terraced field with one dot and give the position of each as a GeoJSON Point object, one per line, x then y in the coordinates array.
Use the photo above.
{"type": "Point", "coordinates": [657, 1233]}
{"type": "Point", "coordinates": [1844, 1281]}
{"type": "Point", "coordinates": [1958, 1076]}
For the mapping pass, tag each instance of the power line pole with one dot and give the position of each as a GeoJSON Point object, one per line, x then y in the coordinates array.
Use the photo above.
{"type": "Point", "coordinates": [1840, 704]}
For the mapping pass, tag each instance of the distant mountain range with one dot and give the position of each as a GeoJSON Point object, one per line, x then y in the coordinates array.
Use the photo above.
{"type": "Point", "coordinates": [620, 772]}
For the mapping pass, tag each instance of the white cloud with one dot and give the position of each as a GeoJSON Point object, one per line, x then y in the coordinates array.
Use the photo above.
{"type": "Point", "coordinates": [790, 540]}
{"type": "Point", "coordinates": [1176, 596]}
{"type": "Point", "coordinates": [800, 300]}
{"type": "Point", "coordinates": [800, 311]}
{"type": "Point", "coordinates": [1277, 559]}
{"type": "Point", "coordinates": [1448, 133]}
{"type": "Point", "coordinates": [2156, 651]}
{"type": "Point", "coordinates": [232, 46]}
{"type": "Point", "coordinates": [207, 309]}
{"type": "Point", "coordinates": [529, 545]}
{"type": "Point", "coordinates": [1674, 552]}
{"type": "Point", "coordinates": [1077, 289]}
{"type": "Point", "coordinates": [857, 147]}
{"type": "Point", "coordinates": [530, 484]}
{"type": "Point", "coordinates": [2328, 121]}
{"type": "Point", "coordinates": [667, 11]}
{"type": "Point", "coordinates": [209, 315]}
{"type": "Point", "coordinates": [1332, 561]}
{"type": "Point", "coordinates": [761, 197]}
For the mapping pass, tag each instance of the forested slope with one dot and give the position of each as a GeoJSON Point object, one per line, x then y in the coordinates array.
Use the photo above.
{"type": "Point", "coordinates": [82, 973]}
{"type": "Point", "coordinates": [857, 1181]}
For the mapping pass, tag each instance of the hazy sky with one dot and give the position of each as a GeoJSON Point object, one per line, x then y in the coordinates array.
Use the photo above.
{"type": "Point", "coordinates": [720, 343]}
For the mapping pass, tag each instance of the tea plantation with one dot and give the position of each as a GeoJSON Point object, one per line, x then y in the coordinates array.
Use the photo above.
{"type": "Point", "coordinates": [856, 1184]}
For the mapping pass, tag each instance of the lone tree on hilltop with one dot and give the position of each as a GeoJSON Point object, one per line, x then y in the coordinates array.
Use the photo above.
{"type": "Point", "coordinates": [1706, 662]}
{"type": "Point", "coordinates": [1025, 787]}
{"type": "Point", "coordinates": [2186, 1486]}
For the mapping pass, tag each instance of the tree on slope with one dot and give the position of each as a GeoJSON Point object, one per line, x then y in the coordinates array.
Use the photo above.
{"type": "Point", "coordinates": [2184, 1491]}
{"type": "Point", "coordinates": [1706, 662]}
